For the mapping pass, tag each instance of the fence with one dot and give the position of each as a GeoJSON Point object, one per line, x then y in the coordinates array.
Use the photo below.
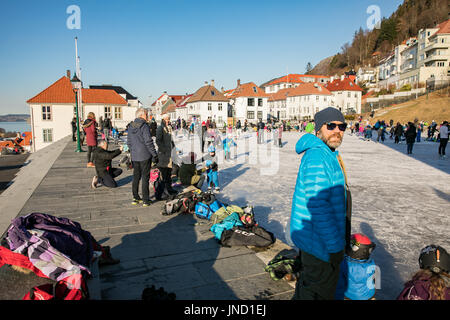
{"type": "Point", "coordinates": [388, 100]}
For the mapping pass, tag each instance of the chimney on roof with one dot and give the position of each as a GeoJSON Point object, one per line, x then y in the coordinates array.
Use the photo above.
{"type": "Point", "coordinates": [68, 74]}
{"type": "Point", "coordinates": [206, 82]}
{"type": "Point", "coordinates": [212, 82]}
{"type": "Point", "coordinates": [238, 82]}
{"type": "Point", "coordinates": [223, 89]}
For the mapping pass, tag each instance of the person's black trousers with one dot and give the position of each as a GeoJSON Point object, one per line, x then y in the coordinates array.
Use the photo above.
{"type": "Point", "coordinates": [442, 146]}
{"type": "Point", "coordinates": [409, 147]}
{"type": "Point", "coordinates": [318, 279]}
{"type": "Point", "coordinates": [90, 153]}
{"type": "Point", "coordinates": [108, 180]}
{"type": "Point", "coordinates": [141, 171]}
{"type": "Point", "coordinates": [166, 177]}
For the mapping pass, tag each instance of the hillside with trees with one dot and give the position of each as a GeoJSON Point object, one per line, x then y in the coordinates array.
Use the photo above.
{"type": "Point", "coordinates": [370, 46]}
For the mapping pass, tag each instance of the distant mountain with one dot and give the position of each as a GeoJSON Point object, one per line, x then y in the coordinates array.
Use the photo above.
{"type": "Point", "coordinates": [14, 118]}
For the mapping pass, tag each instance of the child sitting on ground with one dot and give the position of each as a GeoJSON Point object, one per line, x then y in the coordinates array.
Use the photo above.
{"type": "Point", "coordinates": [357, 271]}
{"type": "Point", "coordinates": [212, 169]}
{"type": "Point", "coordinates": [432, 281]}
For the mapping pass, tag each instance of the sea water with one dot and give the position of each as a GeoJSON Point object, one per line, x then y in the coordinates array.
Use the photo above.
{"type": "Point", "coordinates": [19, 126]}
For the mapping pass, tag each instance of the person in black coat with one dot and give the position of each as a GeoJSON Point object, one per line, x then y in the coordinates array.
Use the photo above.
{"type": "Point", "coordinates": [74, 129]}
{"type": "Point", "coordinates": [398, 132]}
{"type": "Point", "coordinates": [153, 126]}
{"type": "Point", "coordinates": [103, 166]}
{"type": "Point", "coordinates": [410, 136]}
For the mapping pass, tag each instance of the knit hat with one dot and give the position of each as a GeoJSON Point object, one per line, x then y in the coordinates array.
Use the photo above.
{"type": "Point", "coordinates": [327, 115]}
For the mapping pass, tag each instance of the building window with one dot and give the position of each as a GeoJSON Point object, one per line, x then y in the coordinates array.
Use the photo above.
{"type": "Point", "coordinates": [107, 112]}
{"type": "Point", "coordinates": [260, 114]}
{"type": "Point", "coordinates": [47, 135]}
{"type": "Point", "coordinates": [209, 106]}
{"type": "Point", "coordinates": [250, 102]}
{"type": "Point", "coordinates": [46, 113]}
{"type": "Point", "coordinates": [118, 113]}
{"type": "Point", "coordinates": [250, 114]}
{"type": "Point", "coordinates": [220, 106]}
{"type": "Point", "coordinates": [260, 102]}
{"type": "Point", "coordinates": [317, 98]}
{"type": "Point", "coordinates": [348, 94]}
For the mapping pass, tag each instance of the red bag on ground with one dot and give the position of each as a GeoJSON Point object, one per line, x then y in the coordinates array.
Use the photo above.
{"type": "Point", "coordinates": [59, 291]}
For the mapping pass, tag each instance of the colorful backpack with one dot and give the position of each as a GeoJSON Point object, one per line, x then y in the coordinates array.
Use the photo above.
{"type": "Point", "coordinates": [156, 184]}
{"type": "Point", "coordinates": [207, 205]}
{"type": "Point", "coordinates": [60, 291]}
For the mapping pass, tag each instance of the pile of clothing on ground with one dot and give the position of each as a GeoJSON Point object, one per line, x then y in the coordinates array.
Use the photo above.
{"type": "Point", "coordinates": [232, 225]}
{"type": "Point", "coordinates": [55, 248]}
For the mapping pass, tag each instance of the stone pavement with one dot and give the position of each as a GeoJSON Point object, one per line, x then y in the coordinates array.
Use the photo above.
{"type": "Point", "coordinates": [175, 252]}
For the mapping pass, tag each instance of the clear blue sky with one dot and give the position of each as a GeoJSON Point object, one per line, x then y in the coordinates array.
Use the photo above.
{"type": "Point", "coordinates": [153, 46]}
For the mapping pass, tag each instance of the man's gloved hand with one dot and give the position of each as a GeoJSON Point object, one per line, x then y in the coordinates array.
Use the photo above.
{"type": "Point", "coordinates": [155, 160]}
{"type": "Point", "coordinates": [336, 258]}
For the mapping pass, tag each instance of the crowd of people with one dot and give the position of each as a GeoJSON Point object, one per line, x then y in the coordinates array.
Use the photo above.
{"type": "Point", "coordinates": [335, 264]}
{"type": "Point", "coordinates": [411, 132]}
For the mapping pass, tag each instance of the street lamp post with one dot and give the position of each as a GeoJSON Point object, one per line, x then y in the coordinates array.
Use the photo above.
{"type": "Point", "coordinates": [76, 84]}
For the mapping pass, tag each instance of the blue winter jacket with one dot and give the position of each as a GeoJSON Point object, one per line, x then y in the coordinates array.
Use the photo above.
{"type": "Point", "coordinates": [356, 279]}
{"type": "Point", "coordinates": [317, 224]}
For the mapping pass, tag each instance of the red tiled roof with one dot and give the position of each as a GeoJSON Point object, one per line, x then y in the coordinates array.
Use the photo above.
{"type": "Point", "coordinates": [342, 85]}
{"type": "Point", "coordinates": [309, 89]}
{"type": "Point", "coordinates": [170, 108]}
{"type": "Point", "coordinates": [291, 78]}
{"type": "Point", "coordinates": [182, 103]}
{"type": "Point", "coordinates": [444, 27]}
{"type": "Point", "coordinates": [61, 92]}
{"type": "Point", "coordinates": [208, 93]}
{"type": "Point", "coordinates": [102, 96]}
{"type": "Point", "coordinates": [295, 78]}
{"type": "Point", "coordinates": [280, 94]}
{"type": "Point", "coordinates": [249, 89]}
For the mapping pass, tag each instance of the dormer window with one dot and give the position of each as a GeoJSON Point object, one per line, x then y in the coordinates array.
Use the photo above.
{"type": "Point", "coordinates": [213, 93]}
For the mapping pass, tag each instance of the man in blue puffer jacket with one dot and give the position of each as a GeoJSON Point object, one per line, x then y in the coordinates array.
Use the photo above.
{"type": "Point", "coordinates": [318, 217]}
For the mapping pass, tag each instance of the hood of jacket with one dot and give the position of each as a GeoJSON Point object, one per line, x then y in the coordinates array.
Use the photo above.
{"type": "Point", "coordinates": [137, 124]}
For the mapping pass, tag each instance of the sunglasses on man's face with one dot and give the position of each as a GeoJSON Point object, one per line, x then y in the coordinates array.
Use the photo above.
{"type": "Point", "coordinates": [331, 126]}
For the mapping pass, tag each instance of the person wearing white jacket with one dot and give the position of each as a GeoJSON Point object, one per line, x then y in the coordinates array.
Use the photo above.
{"type": "Point", "coordinates": [443, 136]}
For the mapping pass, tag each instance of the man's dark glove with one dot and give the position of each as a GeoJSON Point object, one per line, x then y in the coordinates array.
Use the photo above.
{"type": "Point", "coordinates": [336, 258]}
{"type": "Point", "coordinates": [155, 160]}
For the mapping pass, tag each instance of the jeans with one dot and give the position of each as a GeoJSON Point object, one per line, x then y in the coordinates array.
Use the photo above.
{"type": "Point", "coordinates": [409, 147]}
{"type": "Point", "coordinates": [442, 146]}
{"type": "Point", "coordinates": [141, 170]}
{"type": "Point", "coordinates": [108, 179]}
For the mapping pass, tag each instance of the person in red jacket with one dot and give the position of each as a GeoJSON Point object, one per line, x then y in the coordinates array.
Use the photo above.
{"type": "Point", "coordinates": [90, 129]}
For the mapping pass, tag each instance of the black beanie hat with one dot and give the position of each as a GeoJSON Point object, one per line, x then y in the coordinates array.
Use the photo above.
{"type": "Point", "coordinates": [327, 115]}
